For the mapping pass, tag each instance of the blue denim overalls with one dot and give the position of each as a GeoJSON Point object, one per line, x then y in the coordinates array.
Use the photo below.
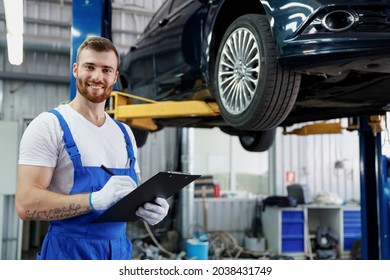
{"type": "Point", "coordinates": [77, 238]}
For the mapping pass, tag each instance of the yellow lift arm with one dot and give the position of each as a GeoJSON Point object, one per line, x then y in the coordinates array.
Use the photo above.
{"type": "Point", "coordinates": [141, 115]}
{"type": "Point", "coordinates": [317, 128]}
{"type": "Point", "coordinates": [376, 122]}
{"type": "Point", "coordinates": [122, 107]}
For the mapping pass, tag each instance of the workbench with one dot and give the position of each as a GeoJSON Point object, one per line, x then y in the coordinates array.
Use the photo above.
{"type": "Point", "coordinates": [291, 231]}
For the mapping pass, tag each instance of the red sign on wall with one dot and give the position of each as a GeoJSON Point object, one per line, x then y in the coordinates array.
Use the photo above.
{"type": "Point", "coordinates": [290, 177]}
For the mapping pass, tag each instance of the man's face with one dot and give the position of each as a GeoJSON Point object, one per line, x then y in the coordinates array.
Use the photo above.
{"type": "Point", "coordinates": [96, 74]}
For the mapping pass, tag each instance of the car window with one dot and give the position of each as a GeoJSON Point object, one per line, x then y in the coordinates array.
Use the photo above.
{"type": "Point", "coordinates": [178, 3]}
{"type": "Point", "coordinates": [160, 14]}
{"type": "Point", "coordinates": [170, 54]}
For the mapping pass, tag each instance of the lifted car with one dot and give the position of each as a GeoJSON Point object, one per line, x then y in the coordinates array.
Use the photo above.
{"type": "Point", "coordinates": [266, 63]}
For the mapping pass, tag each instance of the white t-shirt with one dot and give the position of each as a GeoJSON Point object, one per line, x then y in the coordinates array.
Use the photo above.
{"type": "Point", "coordinates": [42, 145]}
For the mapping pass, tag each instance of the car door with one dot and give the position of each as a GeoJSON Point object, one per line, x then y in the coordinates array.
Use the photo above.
{"type": "Point", "coordinates": [138, 66]}
{"type": "Point", "coordinates": [166, 59]}
{"type": "Point", "coordinates": [170, 61]}
{"type": "Point", "coordinates": [177, 53]}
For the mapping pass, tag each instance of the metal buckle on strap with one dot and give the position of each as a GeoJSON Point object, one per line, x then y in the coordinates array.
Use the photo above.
{"type": "Point", "coordinates": [73, 151]}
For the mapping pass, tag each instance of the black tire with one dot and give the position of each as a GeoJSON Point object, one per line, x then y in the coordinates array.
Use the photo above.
{"type": "Point", "coordinates": [263, 92]}
{"type": "Point", "coordinates": [258, 141]}
{"type": "Point", "coordinates": [140, 136]}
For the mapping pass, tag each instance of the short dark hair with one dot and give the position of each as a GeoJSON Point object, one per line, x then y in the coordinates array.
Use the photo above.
{"type": "Point", "coordinates": [99, 44]}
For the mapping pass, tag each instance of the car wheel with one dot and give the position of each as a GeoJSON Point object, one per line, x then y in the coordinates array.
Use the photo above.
{"type": "Point", "coordinates": [140, 136]}
{"type": "Point", "coordinates": [251, 89]}
{"type": "Point", "coordinates": [258, 141]}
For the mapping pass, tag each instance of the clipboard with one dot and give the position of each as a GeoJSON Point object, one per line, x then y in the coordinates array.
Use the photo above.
{"type": "Point", "coordinates": [163, 184]}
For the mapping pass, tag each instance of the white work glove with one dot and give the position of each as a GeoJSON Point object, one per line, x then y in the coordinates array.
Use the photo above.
{"type": "Point", "coordinates": [115, 189]}
{"type": "Point", "coordinates": [153, 213]}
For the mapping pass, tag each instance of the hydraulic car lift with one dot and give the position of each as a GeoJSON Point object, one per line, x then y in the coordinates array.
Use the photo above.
{"type": "Point", "coordinates": [122, 107]}
{"type": "Point", "coordinates": [94, 18]}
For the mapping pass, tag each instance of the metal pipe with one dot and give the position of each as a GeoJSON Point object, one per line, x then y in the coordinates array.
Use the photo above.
{"type": "Point", "coordinates": [232, 162]}
{"type": "Point", "coordinates": [187, 194]}
{"type": "Point", "coordinates": [28, 77]}
{"type": "Point", "coordinates": [40, 45]}
{"type": "Point", "coordinates": [1, 100]}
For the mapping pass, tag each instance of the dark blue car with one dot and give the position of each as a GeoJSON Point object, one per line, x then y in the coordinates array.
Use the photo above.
{"type": "Point", "coordinates": [266, 63]}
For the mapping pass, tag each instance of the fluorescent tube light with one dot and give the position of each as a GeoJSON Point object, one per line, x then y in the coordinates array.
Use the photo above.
{"type": "Point", "coordinates": [14, 23]}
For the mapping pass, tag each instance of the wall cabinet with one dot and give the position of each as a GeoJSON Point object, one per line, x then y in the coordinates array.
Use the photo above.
{"type": "Point", "coordinates": [292, 231]}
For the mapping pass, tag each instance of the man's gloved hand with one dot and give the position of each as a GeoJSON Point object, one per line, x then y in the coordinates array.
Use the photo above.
{"type": "Point", "coordinates": [115, 188]}
{"type": "Point", "coordinates": [153, 213]}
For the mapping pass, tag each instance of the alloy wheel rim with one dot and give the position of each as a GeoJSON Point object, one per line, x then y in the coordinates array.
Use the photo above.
{"type": "Point", "coordinates": [239, 71]}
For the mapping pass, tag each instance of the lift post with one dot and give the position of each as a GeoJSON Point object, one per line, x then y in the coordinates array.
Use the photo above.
{"type": "Point", "coordinates": [374, 192]}
{"type": "Point", "coordinates": [89, 18]}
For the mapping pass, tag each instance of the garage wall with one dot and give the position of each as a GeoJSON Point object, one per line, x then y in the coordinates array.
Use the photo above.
{"type": "Point", "coordinates": [323, 163]}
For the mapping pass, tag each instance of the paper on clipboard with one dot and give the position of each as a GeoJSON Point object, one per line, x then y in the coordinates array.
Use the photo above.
{"type": "Point", "coordinates": [163, 184]}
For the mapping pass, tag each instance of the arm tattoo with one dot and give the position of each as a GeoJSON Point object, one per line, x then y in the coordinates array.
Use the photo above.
{"type": "Point", "coordinates": [56, 213]}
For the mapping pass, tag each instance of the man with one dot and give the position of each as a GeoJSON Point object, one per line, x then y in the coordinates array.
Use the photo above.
{"type": "Point", "coordinates": [60, 178]}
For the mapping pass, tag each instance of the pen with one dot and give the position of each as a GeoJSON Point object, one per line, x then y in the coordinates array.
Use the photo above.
{"type": "Point", "coordinates": [107, 170]}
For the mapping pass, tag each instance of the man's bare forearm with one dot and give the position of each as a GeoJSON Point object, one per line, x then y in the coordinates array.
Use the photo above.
{"type": "Point", "coordinates": [72, 210]}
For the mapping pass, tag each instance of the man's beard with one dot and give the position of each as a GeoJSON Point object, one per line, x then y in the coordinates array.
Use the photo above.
{"type": "Point", "coordinates": [83, 89]}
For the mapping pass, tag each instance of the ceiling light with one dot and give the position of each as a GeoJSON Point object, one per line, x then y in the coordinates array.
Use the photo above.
{"type": "Point", "coordinates": [14, 22]}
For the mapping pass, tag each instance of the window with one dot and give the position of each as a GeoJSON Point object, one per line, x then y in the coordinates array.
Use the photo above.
{"type": "Point", "coordinates": [222, 156]}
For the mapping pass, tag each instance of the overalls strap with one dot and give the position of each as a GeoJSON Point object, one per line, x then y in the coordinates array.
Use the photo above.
{"type": "Point", "coordinates": [129, 147]}
{"type": "Point", "coordinates": [70, 145]}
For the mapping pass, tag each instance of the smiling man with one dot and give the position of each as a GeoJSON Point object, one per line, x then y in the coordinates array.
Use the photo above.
{"type": "Point", "coordinates": [59, 176]}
